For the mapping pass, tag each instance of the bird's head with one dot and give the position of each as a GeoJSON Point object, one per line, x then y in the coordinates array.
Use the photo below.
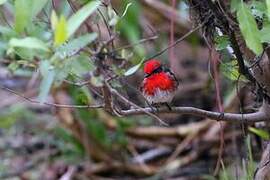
{"type": "Point", "coordinates": [152, 66]}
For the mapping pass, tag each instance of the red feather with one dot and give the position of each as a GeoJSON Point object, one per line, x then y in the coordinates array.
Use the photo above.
{"type": "Point", "coordinates": [151, 65]}
{"type": "Point", "coordinates": [161, 81]}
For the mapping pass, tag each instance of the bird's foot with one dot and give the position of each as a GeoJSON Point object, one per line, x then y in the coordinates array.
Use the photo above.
{"type": "Point", "coordinates": [168, 106]}
{"type": "Point", "coordinates": [155, 107]}
{"type": "Point", "coordinates": [221, 116]}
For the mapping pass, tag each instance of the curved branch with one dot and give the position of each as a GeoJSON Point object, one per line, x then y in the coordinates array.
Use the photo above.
{"type": "Point", "coordinates": [229, 117]}
{"type": "Point", "coordinates": [261, 115]}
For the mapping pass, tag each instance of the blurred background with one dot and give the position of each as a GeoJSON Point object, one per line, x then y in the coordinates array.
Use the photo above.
{"type": "Point", "coordinates": [59, 52]}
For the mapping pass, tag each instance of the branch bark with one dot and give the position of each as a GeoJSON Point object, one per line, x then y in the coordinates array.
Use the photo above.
{"type": "Point", "coordinates": [228, 117]}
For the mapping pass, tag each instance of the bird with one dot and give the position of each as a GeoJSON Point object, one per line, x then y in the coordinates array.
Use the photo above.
{"type": "Point", "coordinates": [159, 84]}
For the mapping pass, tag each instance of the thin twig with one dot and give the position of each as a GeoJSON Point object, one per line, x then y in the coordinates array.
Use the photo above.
{"type": "Point", "coordinates": [4, 18]}
{"type": "Point", "coordinates": [172, 28]}
{"type": "Point", "coordinates": [176, 42]}
{"type": "Point", "coordinates": [50, 104]}
{"type": "Point", "coordinates": [136, 43]}
{"type": "Point", "coordinates": [107, 26]}
{"type": "Point", "coordinates": [215, 59]}
{"type": "Point", "coordinates": [53, 4]}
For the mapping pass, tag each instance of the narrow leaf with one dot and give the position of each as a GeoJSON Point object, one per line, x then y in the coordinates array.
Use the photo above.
{"type": "Point", "coordinates": [230, 70]}
{"type": "Point", "coordinates": [37, 6]}
{"type": "Point", "coordinates": [80, 65]}
{"type": "Point", "coordinates": [60, 34]}
{"type": "Point", "coordinates": [268, 8]}
{"type": "Point", "coordinates": [28, 42]}
{"type": "Point", "coordinates": [249, 28]}
{"type": "Point", "coordinates": [25, 11]}
{"type": "Point", "coordinates": [133, 69]}
{"type": "Point", "coordinates": [54, 20]}
{"type": "Point", "coordinates": [259, 132]}
{"type": "Point", "coordinates": [222, 42]}
{"type": "Point", "coordinates": [48, 75]}
{"type": "Point", "coordinates": [22, 14]}
{"type": "Point", "coordinates": [234, 5]}
{"type": "Point", "coordinates": [265, 34]}
{"type": "Point", "coordinates": [75, 45]}
{"type": "Point", "coordinates": [80, 16]}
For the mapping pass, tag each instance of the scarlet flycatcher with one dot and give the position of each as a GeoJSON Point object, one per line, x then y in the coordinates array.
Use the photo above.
{"type": "Point", "coordinates": [159, 84]}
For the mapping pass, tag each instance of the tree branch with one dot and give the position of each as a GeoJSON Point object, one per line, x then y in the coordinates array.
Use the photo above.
{"type": "Point", "coordinates": [228, 117]}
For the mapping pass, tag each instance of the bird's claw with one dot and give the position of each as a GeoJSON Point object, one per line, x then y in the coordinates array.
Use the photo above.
{"type": "Point", "coordinates": [221, 116]}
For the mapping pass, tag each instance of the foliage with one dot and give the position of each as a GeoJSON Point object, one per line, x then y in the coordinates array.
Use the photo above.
{"type": "Point", "coordinates": [259, 132]}
{"type": "Point", "coordinates": [249, 28]}
{"type": "Point", "coordinates": [51, 42]}
{"type": "Point", "coordinates": [65, 45]}
{"type": "Point", "coordinates": [133, 69]}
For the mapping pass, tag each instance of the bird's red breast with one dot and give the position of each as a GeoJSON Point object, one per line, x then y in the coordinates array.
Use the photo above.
{"type": "Point", "coordinates": [162, 81]}
{"type": "Point", "coordinates": [159, 84]}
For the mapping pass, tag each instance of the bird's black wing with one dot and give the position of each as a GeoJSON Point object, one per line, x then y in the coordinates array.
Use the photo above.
{"type": "Point", "coordinates": [172, 74]}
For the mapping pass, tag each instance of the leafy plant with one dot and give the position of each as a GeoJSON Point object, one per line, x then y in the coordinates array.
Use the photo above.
{"type": "Point", "coordinates": [249, 28]}
{"type": "Point", "coordinates": [259, 132]}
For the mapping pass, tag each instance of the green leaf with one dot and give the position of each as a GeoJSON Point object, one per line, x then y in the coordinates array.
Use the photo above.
{"type": "Point", "coordinates": [7, 31]}
{"type": "Point", "coordinates": [222, 42]}
{"type": "Point", "coordinates": [230, 70]}
{"type": "Point", "coordinates": [265, 34]}
{"type": "Point", "coordinates": [25, 11]}
{"type": "Point", "coordinates": [259, 132]}
{"type": "Point", "coordinates": [259, 9]}
{"type": "Point", "coordinates": [97, 81]}
{"type": "Point", "coordinates": [48, 75]}
{"type": "Point", "coordinates": [80, 16]}
{"type": "Point", "coordinates": [22, 14]}
{"type": "Point", "coordinates": [268, 8]}
{"type": "Point", "coordinates": [13, 66]}
{"type": "Point", "coordinates": [60, 33]}
{"type": "Point", "coordinates": [28, 42]}
{"type": "Point", "coordinates": [76, 66]}
{"type": "Point", "coordinates": [250, 166]}
{"type": "Point", "coordinates": [81, 65]}
{"type": "Point", "coordinates": [75, 45]}
{"type": "Point", "coordinates": [234, 5]}
{"type": "Point", "coordinates": [133, 69]}
{"type": "Point", "coordinates": [249, 28]}
{"type": "Point", "coordinates": [37, 6]}
{"type": "Point", "coordinates": [129, 25]}
{"type": "Point", "coordinates": [54, 20]}
{"type": "Point", "coordinates": [2, 1]}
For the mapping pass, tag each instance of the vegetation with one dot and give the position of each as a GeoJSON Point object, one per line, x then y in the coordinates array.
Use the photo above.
{"type": "Point", "coordinates": [71, 106]}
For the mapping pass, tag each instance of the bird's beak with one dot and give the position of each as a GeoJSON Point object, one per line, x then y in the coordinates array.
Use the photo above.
{"type": "Point", "coordinates": [146, 75]}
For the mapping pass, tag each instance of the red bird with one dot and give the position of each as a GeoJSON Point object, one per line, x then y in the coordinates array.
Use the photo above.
{"type": "Point", "coordinates": [159, 84]}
